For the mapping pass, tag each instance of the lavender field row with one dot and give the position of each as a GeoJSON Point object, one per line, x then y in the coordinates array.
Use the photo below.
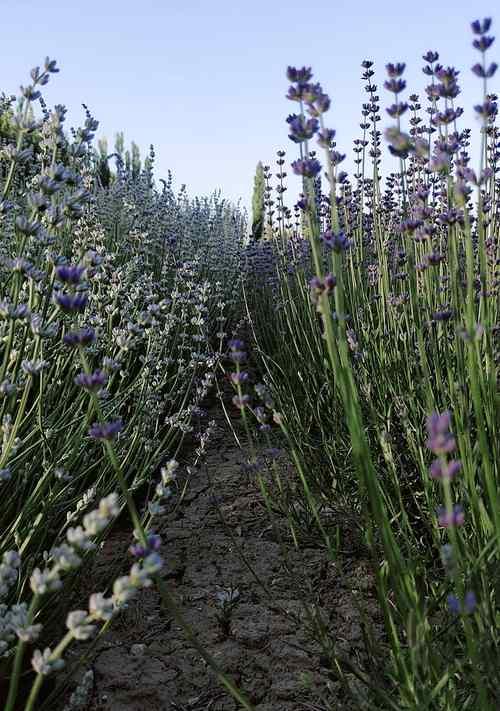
{"type": "Point", "coordinates": [351, 341]}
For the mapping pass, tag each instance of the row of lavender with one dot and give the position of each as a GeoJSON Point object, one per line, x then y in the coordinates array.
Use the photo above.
{"type": "Point", "coordinates": [114, 297]}
{"type": "Point", "coordinates": [377, 325]}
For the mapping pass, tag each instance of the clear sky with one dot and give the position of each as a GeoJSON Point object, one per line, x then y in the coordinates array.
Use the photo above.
{"type": "Point", "coordinates": [203, 80]}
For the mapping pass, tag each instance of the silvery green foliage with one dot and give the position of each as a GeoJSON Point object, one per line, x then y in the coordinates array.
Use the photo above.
{"type": "Point", "coordinates": [154, 270]}
{"type": "Point", "coordinates": [113, 283]}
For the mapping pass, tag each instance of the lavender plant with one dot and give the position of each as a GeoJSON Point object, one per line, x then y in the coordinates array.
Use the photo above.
{"type": "Point", "coordinates": [377, 312]}
{"type": "Point", "coordinates": [111, 293]}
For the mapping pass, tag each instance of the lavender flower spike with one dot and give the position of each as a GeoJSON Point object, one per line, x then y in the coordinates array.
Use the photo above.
{"type": "Point", "coordinates": [106, 430]}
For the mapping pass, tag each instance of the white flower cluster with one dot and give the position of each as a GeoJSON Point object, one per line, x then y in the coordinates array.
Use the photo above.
{"type": "Point", "coordinates": [65, 557]}
{"type": "Point", "coordinates": [82, 503]}
{"type": "Point", "coordinates": [8, 571]}
{"type": "Point", "coordinates": [14, 621]}
{"type": "Point", "coordinates": [81, 623]}
{"type": "Point", "coordinates": [163, 488]}
{"type": "Point", "coordinates": [45, 663]}
{"type": "Point", "coordinates": [14, 625]}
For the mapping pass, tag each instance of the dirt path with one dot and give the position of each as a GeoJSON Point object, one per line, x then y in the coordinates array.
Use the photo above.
{"type": "Point", "coordinates": [145, 663]}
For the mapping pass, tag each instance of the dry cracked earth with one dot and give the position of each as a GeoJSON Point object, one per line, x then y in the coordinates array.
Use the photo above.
{"type": "Point", "coordinates": [220, 541]}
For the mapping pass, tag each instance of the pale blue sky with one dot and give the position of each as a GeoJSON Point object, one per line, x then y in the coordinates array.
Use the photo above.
{"type": "Point", "coordinates": [204, 80]}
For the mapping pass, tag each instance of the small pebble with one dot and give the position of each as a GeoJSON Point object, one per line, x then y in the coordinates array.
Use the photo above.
{"type": "Point", "coordinates": [138, 650]}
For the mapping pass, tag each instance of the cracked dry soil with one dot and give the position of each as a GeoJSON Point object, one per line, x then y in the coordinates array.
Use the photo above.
{"type": "Point", "coordinates": [145, 663]}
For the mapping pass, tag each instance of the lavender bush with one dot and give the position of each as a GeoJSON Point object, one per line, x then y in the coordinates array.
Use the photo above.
{"type": "Point", "coordinates": [370, 314]}
{"type": "Point", "coordinates": [114, 299]}
{"type": "Point", "coordinates": [376, 324]}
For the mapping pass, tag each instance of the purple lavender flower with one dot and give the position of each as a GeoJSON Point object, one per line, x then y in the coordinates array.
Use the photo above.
{"type": "Point", "coordinates": [299, 75]}
{"type": "Point", "coordinates": [447, 116]}
{"type": "Point", "coordinates": [448, 519]}
{"type": "Point", "coordinates": [336, 157]}
{"type": "Point", "coordinates": [296, 93]}
{"type": "Point", "coordinates": [398, 109]}
{"type": "Point", "coordinates": [444, 315]}
{"type": "Point", "coordinates": [400, 143]}
{"type": "Point", "coordinates": [441, 441]}
{"type": "Point", "coordinates": [483, 43]}
{"type": "Point", "coordinates": [319, 106]}
{"type": "Point", "coordinates": [453, 604]}
{"type": "Point", "coordinates": [71, 303]}
{"type": "Point", "coordinates": [106, 430]}
{"type": "Point", "coordinates": [440, 162]}
{"type": "Point", "coordinates": [153, 545]}
{"type": "Point", "coordinates": [70, 273]}
{"type": "Point", "coordinates": [307, 167]}
{"type": "Point", "coordinates": [241, 402]}
{"type": "Point", "coordinates": [336, 241]}
{"type": "Point", "coordinates": [444, 470]}
{"type": "Point", "coordinates": [325, 137]}
{"type": "Point", "coordinates": [468, 607]}
{"type": "Point", "coordinates": [487, 110]}
{"type": "Point", "coordinates": [483, 73]}
{"type": "Point", "coordinates": [329, 282]}
{"type": "Point", "coordinates": [319, 286]}
{"type": "Point", "coordinates": [430, 57]}
{"type": "Point", "coordinates": [481, 28]}
{"type": "Point", "coordinates": [301, 129]}
{"type": "Point", "coordinates": [434, 258]}
{"type": "Point", "coordinates": [92, 381]}
{"type": "Point", "coordinates": [395, 70]}
{"type": "Point", "coordinates": [396, 86]}
{"type": "Point", "coordinates": [470, 602]}
{"type": "Point", "coordinates": [237, 356]}
{"type": "Point", "coordinates": [312, 92]}
{"type": "Point", "coordinates": [81, 337]}
{"type": "Point", "coordinates": [27, 227]}
{"type": "Point", "coordinates": [238, 378]}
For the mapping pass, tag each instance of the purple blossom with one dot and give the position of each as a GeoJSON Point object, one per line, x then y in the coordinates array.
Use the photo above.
{"type": "Point", "coordinates": [71, 303]}
{"type": "Point", "coordinates": [241, 402]}
{"type": "Point", "coordinates": [301, 129]}
{"type": "Point", "coordinates": [483, 43]}
{"type": "Point", "coordinates": [448, 519]}
{"type": "Point", "coordinates": [336, 157]}
{"type": "Point", "coordinates": [396, 86]}
{"type": "Point", "coordinates": [70, 273]}
{"type": "Point", "coordinates": [307, 167]}
{"type": "Point", "coordinates": [326, 137]}
{"type": "Point", "coordinates": [444, 315]}
{"type": "Point", "coordinates": [81, 337]}
{"type": "Point", "coordinates": [431, 57]}
{"type": "Point", "coordinates": [138, 550]}
{"type": "Point", "coordinates": [238, 378]}
{"type": "Point", "coordinates": [91, 381]}
{"type": "Point", "coordinates": [106, 430]}
{"type": "Point", "coordinates": [319, 106]}
{"type": "Point", "coordinates": [441, 441]}
{"type": "Point", "coordinates": [302, 75]}
{"type": "Point", "coordinates": [488, 109]}
{"type": "Point", "coordinates": [453, 604]}
{"type": "Point", "coordinates": [395, 70]}
{"type": "Point", "coordinates": [336, 241]}
{"type": "Point", "coordinates": [468, 607]}
{"type": "Point", "coordinates": [319, 286]}
{"type": "Point", "coordinates": [237, 356]}
{"type": "Point", "coordinates": [481, 27]}
{"type": "Point", "coordinates": [483, 73]}
{"type": "Point", "coordinates": [444, 470]}
{"type": "Point", "coordinates": [397, 110]}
